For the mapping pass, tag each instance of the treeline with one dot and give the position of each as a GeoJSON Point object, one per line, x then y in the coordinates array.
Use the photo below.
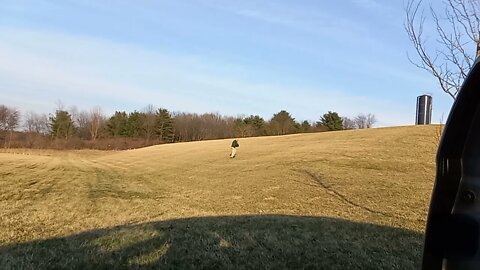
{"type": "Point", "coordinates": [74, 129]}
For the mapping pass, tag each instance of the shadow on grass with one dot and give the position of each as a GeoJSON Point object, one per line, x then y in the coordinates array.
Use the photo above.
{"type": "Point", "coordinates": [239, 242]}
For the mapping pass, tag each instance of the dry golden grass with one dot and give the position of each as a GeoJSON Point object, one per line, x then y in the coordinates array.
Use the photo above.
{"type": "Point", "coordinates": [352, 199]}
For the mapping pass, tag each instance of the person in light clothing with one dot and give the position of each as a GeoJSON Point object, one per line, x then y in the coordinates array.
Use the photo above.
{"type": "Point", "coordinates": [234, 148]}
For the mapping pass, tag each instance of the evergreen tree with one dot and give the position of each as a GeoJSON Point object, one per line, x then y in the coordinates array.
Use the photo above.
{"type": "Point", "coordinates": [282, 123]}
{"type": "Point", "coordinates": [256, 124]}
{"type": "Point", "coordinates": [240, 127]}
{"type": "Point", "coordinates": [331, 120]}
{"type": "Point", "coordinates": [164, 125]}
{"type": "Point", "coordinates": [61, 125]}
{"type": "Point", "coordinates": [117, 125]}
{"type": "Point", "coordinates": [305, 126]}
{"type": "Point", "coordinates": [135, 124]}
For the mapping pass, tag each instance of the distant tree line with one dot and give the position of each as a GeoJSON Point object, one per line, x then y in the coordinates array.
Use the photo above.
{"type": "Point", "coordinates": [74, 129]}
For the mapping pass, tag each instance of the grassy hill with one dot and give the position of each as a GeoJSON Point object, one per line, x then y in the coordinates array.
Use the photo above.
{"type": "Point", "coordinates": [338, 200]}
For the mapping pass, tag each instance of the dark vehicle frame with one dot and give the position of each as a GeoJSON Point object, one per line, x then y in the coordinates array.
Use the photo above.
{"type": "Point", "coordinates": [453, 228]}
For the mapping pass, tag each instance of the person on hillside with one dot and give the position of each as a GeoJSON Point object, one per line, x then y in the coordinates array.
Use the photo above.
{"type": "Point", "coordinates": [234, 148]}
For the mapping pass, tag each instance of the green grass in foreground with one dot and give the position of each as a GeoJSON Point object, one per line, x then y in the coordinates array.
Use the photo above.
{"type": "Point", "coordinates": [341, 200]}
{"type": "Point", "coordinates": [243, 242]}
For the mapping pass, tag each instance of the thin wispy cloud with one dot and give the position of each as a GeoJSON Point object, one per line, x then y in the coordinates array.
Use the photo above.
{"type": "Point", "coordinates": [287, 15]}
{"type": "Point", "coordinates": [372, 5]}
{"type": "Point", "coordinates": [232, 57]}
{"type": "Point", "coordinates": [102, 72]}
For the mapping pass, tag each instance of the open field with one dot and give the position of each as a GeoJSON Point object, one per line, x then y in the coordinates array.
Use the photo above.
{"type": "Point", "coordinates": [339, 200]}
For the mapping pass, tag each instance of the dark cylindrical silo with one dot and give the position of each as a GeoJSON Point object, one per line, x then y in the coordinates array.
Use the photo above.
{"type": "Point", "coordinates": [424, 110]}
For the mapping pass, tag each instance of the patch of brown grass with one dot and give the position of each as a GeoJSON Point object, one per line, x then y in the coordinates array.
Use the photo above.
{"type": "Point", "coordinates": [373, 183]}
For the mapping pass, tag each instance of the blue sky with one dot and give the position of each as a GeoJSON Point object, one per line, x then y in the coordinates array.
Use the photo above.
{"type": "Point", "coordinates": [231, 57]}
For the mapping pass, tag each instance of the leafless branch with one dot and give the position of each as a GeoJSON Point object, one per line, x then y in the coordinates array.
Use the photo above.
{"type": "Point", "coordinates": [451, 59]}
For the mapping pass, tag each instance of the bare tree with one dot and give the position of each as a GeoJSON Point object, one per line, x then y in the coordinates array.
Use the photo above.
{"type": "Point", "coordinates": [82, 121]}
{"type": "Point", "coordinates": [348, 123]}
{"type": "Point", "coordinates": [12, 123]}
{"type": "Point", "coordinates": [96, 120]}
{"type": "Point", "coordinates": [457, 31]}
{"type": "Point", "coordinates": [364, 120]}
{"type": "Point", "coordinates": [35, 126]}
{"type": "Point", "coordinates": [4, 112]}
{"type": "Point", "coordinates": [149, 121]}
{"type": "Point", "coordinates": [371, 120]}
{"type": "Point", "coordinates": [195, 127]}
{"type": "Point", "coordinates": [9, 120]}
{"type": "Point", "coordinates": [36, 123]}
{"type": "Point", "coordinates": [361, 121]}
